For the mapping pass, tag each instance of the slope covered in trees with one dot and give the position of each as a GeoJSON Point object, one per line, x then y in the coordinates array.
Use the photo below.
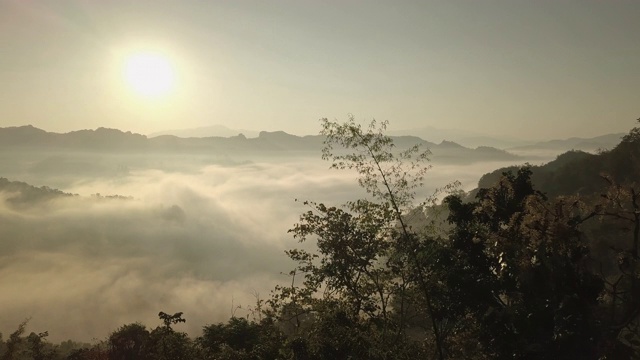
{"type": "Point", "coordinates": [578, 172]}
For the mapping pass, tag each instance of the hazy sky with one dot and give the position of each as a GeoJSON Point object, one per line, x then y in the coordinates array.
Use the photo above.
{"type": "Point", "coordinates": [529, 69]}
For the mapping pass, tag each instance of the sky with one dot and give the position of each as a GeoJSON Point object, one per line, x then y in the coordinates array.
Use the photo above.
{"type": "Point", "coordinates": [525, 69]}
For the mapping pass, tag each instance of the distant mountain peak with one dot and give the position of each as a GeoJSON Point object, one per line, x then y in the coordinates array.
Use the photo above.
{"type": "Point", "coordinates": [449, 144]}
{"type": "Point", "coordinates": [274, 134]}
{"type": "Point", "coordinates": [206, 131]}
{"type": "Point", "coordinates": [272, 142]}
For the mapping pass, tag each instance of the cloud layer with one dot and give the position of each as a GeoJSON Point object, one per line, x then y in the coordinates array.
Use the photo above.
{"type": "Point", "coordinates": [202, 242]}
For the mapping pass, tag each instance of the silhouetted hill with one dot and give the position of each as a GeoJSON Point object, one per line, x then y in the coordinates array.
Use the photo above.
{"type": "Point", "coordinates": [464, 137]}
{"type": "Point", "coordinates": [579, 172]}
{"type": "Point", "coordinates": [206, 131]}
{"type": "Point", "coordinates": [19, 193]}
{"type": "Point", "coordinates": [284, 141]}
{"type": "Point", "coordinates": [275, 143]}
{"type": "Point", "coordinates": [449, 145]}
{"type": "Point", "coordinates": [104, 138]}
{"type": "Point", "coordinates": [23, 135]}
{"type": "Point", "coordinates": [99, 139]}
{"type": "Point", "coordinates": [575, 143]}
{"type": "Point", "coordinates": [498, 142]}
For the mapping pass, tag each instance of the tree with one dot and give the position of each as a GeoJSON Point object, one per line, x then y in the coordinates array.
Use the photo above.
{"type": "Point", "coordinates": [166, 343]}
{"type": "Point", "coordinates": [370, 268]}
{"type": "Point", "coordinates": [39, 348]}
{"type": "Point", "coordinates": [522, 270]}
{"type": "Point", "coordinates": [129, 342]}
{"type": "Point", "coordinates": [96, 352]}
{"type": "Point", "coordinates": [240, 338]}
{"type": "Point", "coordinates": [169, 320]}
{"type": "Point", "coordinates": [618, 209]}
{"type": "Point", "coordinates": [134, 341]}
{"type": "Point", "coordinates": [13, 345]}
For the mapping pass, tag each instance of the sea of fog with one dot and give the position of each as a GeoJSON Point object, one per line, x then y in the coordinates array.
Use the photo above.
{"type": "Point", "coordinates": [206, 238]}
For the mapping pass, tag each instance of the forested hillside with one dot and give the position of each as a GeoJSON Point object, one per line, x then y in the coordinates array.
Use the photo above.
{"type": "Point", "coordinates": [540, 263]}
{"type": "Point", "coordinates": [578, 172]}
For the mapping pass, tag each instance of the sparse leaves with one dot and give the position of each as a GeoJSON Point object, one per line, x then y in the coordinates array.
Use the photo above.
{"type": "Point", "coordinates": [389, 174]}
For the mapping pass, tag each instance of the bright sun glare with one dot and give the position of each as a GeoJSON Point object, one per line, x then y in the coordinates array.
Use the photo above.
{"type": "Point", "coordinates": [150, 75]}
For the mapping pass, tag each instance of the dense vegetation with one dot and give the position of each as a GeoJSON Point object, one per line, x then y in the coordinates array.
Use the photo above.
{"type": "Point", "coordinates": [537, 265]}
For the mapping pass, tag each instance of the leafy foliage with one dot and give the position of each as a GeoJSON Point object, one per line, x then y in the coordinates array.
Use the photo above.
{"type": "Point", "coordinates": [369, 263]}
{"type": "Point", "coordinates": [534, 294]}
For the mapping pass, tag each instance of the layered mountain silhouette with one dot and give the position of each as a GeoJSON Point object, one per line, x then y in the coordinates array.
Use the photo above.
{"type": "Point", "coordinates": [578, 172]}
{"type": "Point", "coordinates": [23, 193]}
{"type": "Point", "coordinates": [512, 144]}
{"type": "Point", "coordinates": [465, 137]}
{"type": "Point", "coordinates": [598, 143]}
{"type": "Point", "coordinates": [276, 143]}
{"type": "Point", "coordinates": [206, 131]}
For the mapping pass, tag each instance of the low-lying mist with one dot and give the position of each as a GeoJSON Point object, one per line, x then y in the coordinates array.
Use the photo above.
{"type": "Point", "coordinates": [204, 238]}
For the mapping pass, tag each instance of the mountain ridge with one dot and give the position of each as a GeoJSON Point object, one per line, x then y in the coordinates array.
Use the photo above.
{"type": "Point", "coordinates": [273, 142]}
{"type": "Point", "coordinates": [579, 172]}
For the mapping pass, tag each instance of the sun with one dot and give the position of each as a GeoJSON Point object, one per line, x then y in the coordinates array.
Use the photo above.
{"type": "Point", "coordinates": [149, 74]}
